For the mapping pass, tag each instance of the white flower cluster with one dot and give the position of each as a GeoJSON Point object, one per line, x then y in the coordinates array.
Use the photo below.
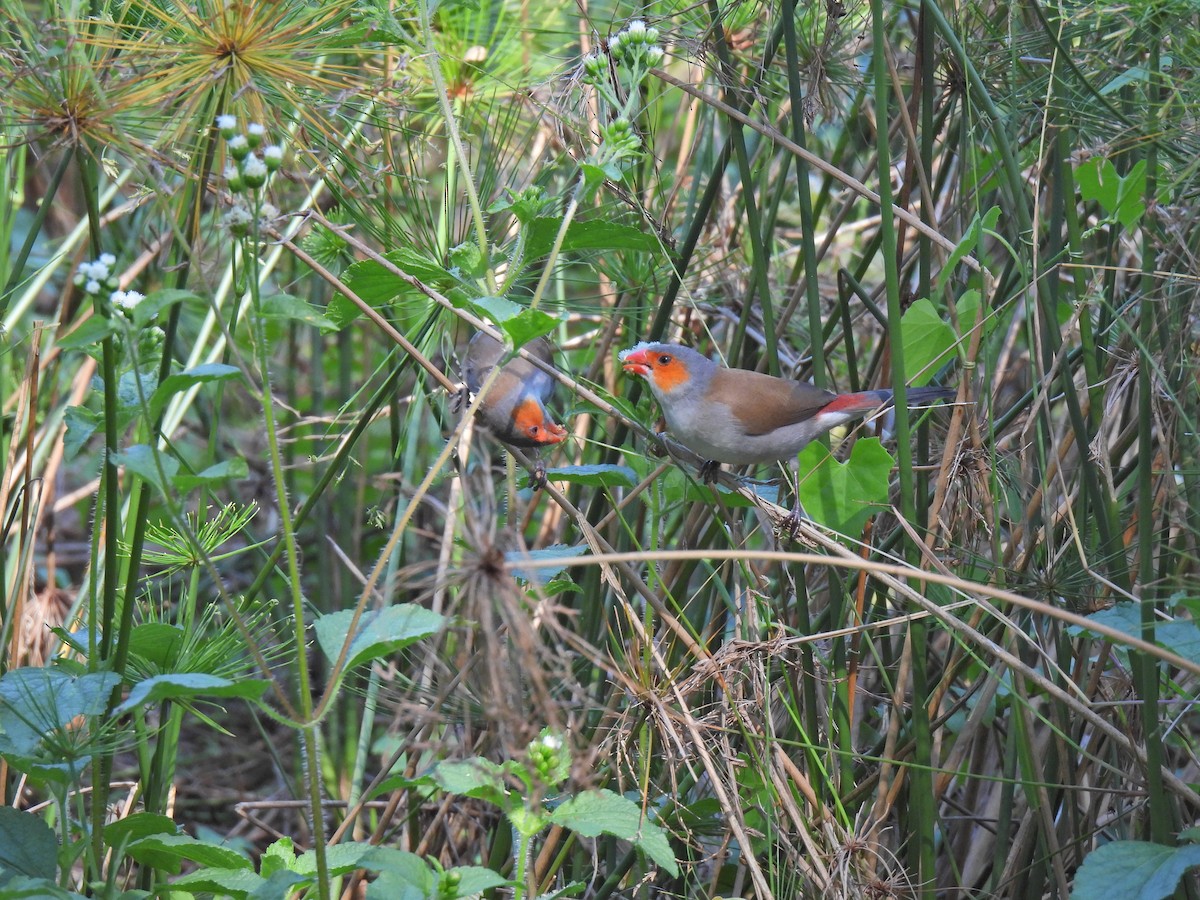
{"type": "Point", "coordinates": [126, 301]}
{"type": "Point", "coordinates": [96, 276]}
{"type": "Point", "coordinates": [248, 169]}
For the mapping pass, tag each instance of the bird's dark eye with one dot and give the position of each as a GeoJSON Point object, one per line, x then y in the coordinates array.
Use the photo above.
{"type": "Point", "coordinates": [533, 431]}
{"type": "Point", "coordinates": [665, 359]}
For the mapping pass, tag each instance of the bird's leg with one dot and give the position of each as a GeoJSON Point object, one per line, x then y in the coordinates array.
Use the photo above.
{"type": "Point", "coordinates": [537, 475]}
{"type": "Point", "coordinates": [460, 399]}
{"type": "Point", "coordinates": [790, 524]}
{"type": "Point", "coordinates": [709, 470]}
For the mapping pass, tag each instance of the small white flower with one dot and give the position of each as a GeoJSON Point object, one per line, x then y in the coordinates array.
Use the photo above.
{"type": "Point", "coordinates": [108, 259]}
{"type": "Point", "coordinates": [92, 287]}
{"type": "Point", "coordinates": [256, 129]}
{"type": "Point", "coordinates": [126, 300]}
{"type": "Point", "coordinates": [637, 26]}
{"type": "Point", "coordinates": [254, 167]}
{"type": "Point", "coordinates": [273, 151]}
{"type": "Point", "coordinates": [269, 212]}
{"type": "Point", "coordinates": [552, 742]}
{"type": "Point", "coordinates": [232, 173]}
{"type": "Point", "coordinates": [226, 122]}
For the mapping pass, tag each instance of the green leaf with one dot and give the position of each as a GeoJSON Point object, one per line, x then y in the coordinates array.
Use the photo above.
{"type": "Point", "coordinates": [466, 260]}
{"type": "Point", "coordinates": [148, 310]}
{"type": "Point", "coordinates": [296, 309]}
{"type": "Point", "coordinates": [378, 287]}
{"type": "Point", "coordinates": [123, 832]}
{"type": "Point", "coordinates": [182, 381]}
{"type": "Point", "coordinates": [380, 631]}
{"type": "Point", "coordinates": [843, 496]}
{"type": "Point", "coordinates": [278, 884]}
{"type": "Point", "coordinates": [477, 777]}
{"type": "Point", "coordinates": [342, 859]}
{"type": "Point", "coordinates": [27, 844]}
{"type": "Point", "coordinates": [593, 813]}
{"type": "Point", "coordinates": [542, 574]}
{"type": "Point", "coordinates": [140, 460]}
{"type": "Point", "coordinates": [179, 847]}
{"type": "Point", "coordinates": [929, 343]}
{"type": "Point", "coordinates": [81, 425]}
{"type": "Point", "coordinates": [1180, 636]}
{"type": "Point", "coordinates": [89, 334]}
{"type": "Point", "coordinates": [1121, 198]}
{"type": "Point", "coordinates": [279, 857]}
{"type": "Point", "coordinates": [970, 240]}
{"type": "Point", "coordinates": [188, 685]}
{"type": "Point", "coordinates": [521, 324]}
{"type": "Point", "coordinates": [595, 475]}
{"type": "Point", "coordinates": [592, 234]}
{"type": "Point", "coordinates": [156, 642]}
{"type": "Point", "coordinates": [18, 887]}
{"type": "Point", "coordinates": [236, 883]}
{"type": "Point", "coordinates": [1133, 870]}
{"type": "Point", "coordinates": [402, 875]}
{"type": "Point", "coordinates": [133, 389]}
{"type": "Point", "coordinates": [218, 473]}
{"type": "Point", "coordinates": [38, 699]}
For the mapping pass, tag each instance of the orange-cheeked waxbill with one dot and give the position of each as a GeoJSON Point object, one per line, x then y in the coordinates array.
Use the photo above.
{"type": "Point", "coordinates": [741, 417]}
{"type": "Point", "coordinates": [514, 408]}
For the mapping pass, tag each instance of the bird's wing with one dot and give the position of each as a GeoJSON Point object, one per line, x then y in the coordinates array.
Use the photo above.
{"type": "Point", "coordinates": [763, 403]}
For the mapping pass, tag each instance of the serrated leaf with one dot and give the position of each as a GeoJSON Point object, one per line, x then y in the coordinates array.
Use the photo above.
{"type": "Point", "coordinates": [190, 685]}
{"type": "Point", "coordinates": [296, 309]}
{"type": "Point", "coordinates": [134, 388]}
{"type": "Point", "coordinates": [521, 324]}
{"type": "Point", "coordinates": [27, 844]}
{"type": "Point", "coordinates": [842, 496]}
{"type": "Point", "coordinates": [140, 460]}
{"type": "Point", "coordinates": [1133, 870]}
{"type": "Point", "coordinates": [542, 574]}
{"type": "Point", "coordinates": [595, 475]}
{"type": "Point", "coordinates": [341, 858]}
{"type": "Point", "coordinates": [239, 883]}
{"type": "Point", "coordinates": [182, 381]}
{"type": "Point", "coordinates": [402, 875]}
{"type": "Point", "coordinates": [593, 813]}
{"type": "Point", "coordinates": [179, 847]}
{"type": "Point", "coordinates": [380, 631]}
{"type": "Point", "coordinates": [929, 343]}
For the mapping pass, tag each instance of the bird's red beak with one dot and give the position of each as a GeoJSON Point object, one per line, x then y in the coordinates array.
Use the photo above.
{"type": "Point", "coordinates": [636, 363]}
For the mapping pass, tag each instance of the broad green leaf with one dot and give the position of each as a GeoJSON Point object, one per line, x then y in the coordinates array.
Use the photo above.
{"type": "Point", "coordinates": [123, 832]}
{"type": "Point", "coordinates": [140, 460]}
{"type": "Point", "coordinates": [1133, 870]}
{"type": "Point", "coordinates": [134, 389]}
{"type": "Point", "coordinates": [378, 287]}
{"type": "Point", "coordinates": [1122, 199]}
{"type": "Point", "coordinates": [466, 260]}
{"type": "Point", "coordinates": [218, 473]}
{"type": "Point", "coordinates": [189, 685]}
{"type": "Point", "coordinates": [599, 475]}
{"type": "Point", "coordinates": [236, 883]}
{"type": "Point", "coordinates": [928, 342]}
{"type": "Point", "coordinates": [81, 425]}
{"type": "Point", "coordinates": [593, 234]}
{"type": "Point", "coordinates": [380, 631]}
{"type": "Point", "coordinates": [341, 858]}
{"type": "Point", "coordinates": [593, 813]}
{"type": "Point", "coordinates": [156, 301]}
{"type": "Point", "coordinates": [280, 856]}
{"type": "Point", "coordinates": [18, 887]}
{"type": "Point", "coordinates": [156, 642]}
{"type": "Point", "coordinates": [38, 699]}
{"type": "Point", "coordinates": [477, 777]}
{"type": "Point", "coordinates": [182, 381]}
{"type": "Point", "coordinates": [521, 324]}
{"type": "Point", "coordinates": [402, 875]}
{"type": "Point", "coordinates": [179, 847]}
{"type": "Point", "coordinates": [27, 845]}
{"type": "Point", "coordinates": [541, 574]}
{"type": "Point", "coordinates": [276, 885]}
{"type": "Point", "coordinates": [842, 496]}
{"type": "Point", "coordinates": [1179, 635]}
{"type": "Point", "coordinates": [90, 333]}
{"type": "Point", "coordinates": [296, 309]}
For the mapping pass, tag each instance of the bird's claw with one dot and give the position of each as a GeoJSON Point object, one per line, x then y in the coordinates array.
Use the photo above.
{"type": "Point", "coordinates": [537, 476]}
{"type": "Point", "coordinates": [709, 470]}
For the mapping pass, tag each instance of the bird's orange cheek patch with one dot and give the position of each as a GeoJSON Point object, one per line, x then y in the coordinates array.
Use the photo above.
{"type": "Point", "coordinates": [531, 421]}
{"type": "Point", "coordinates": [670, 376]}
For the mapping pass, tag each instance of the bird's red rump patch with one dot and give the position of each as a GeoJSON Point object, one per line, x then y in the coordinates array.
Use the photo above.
{"type": "Point", "coordinates": [864, 401]}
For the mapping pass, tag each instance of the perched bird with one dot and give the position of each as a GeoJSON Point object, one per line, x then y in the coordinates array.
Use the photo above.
{"type": "Point", "coordinates": [513, 409]}
{"type": "Point", "coordinates": [742, 417]}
